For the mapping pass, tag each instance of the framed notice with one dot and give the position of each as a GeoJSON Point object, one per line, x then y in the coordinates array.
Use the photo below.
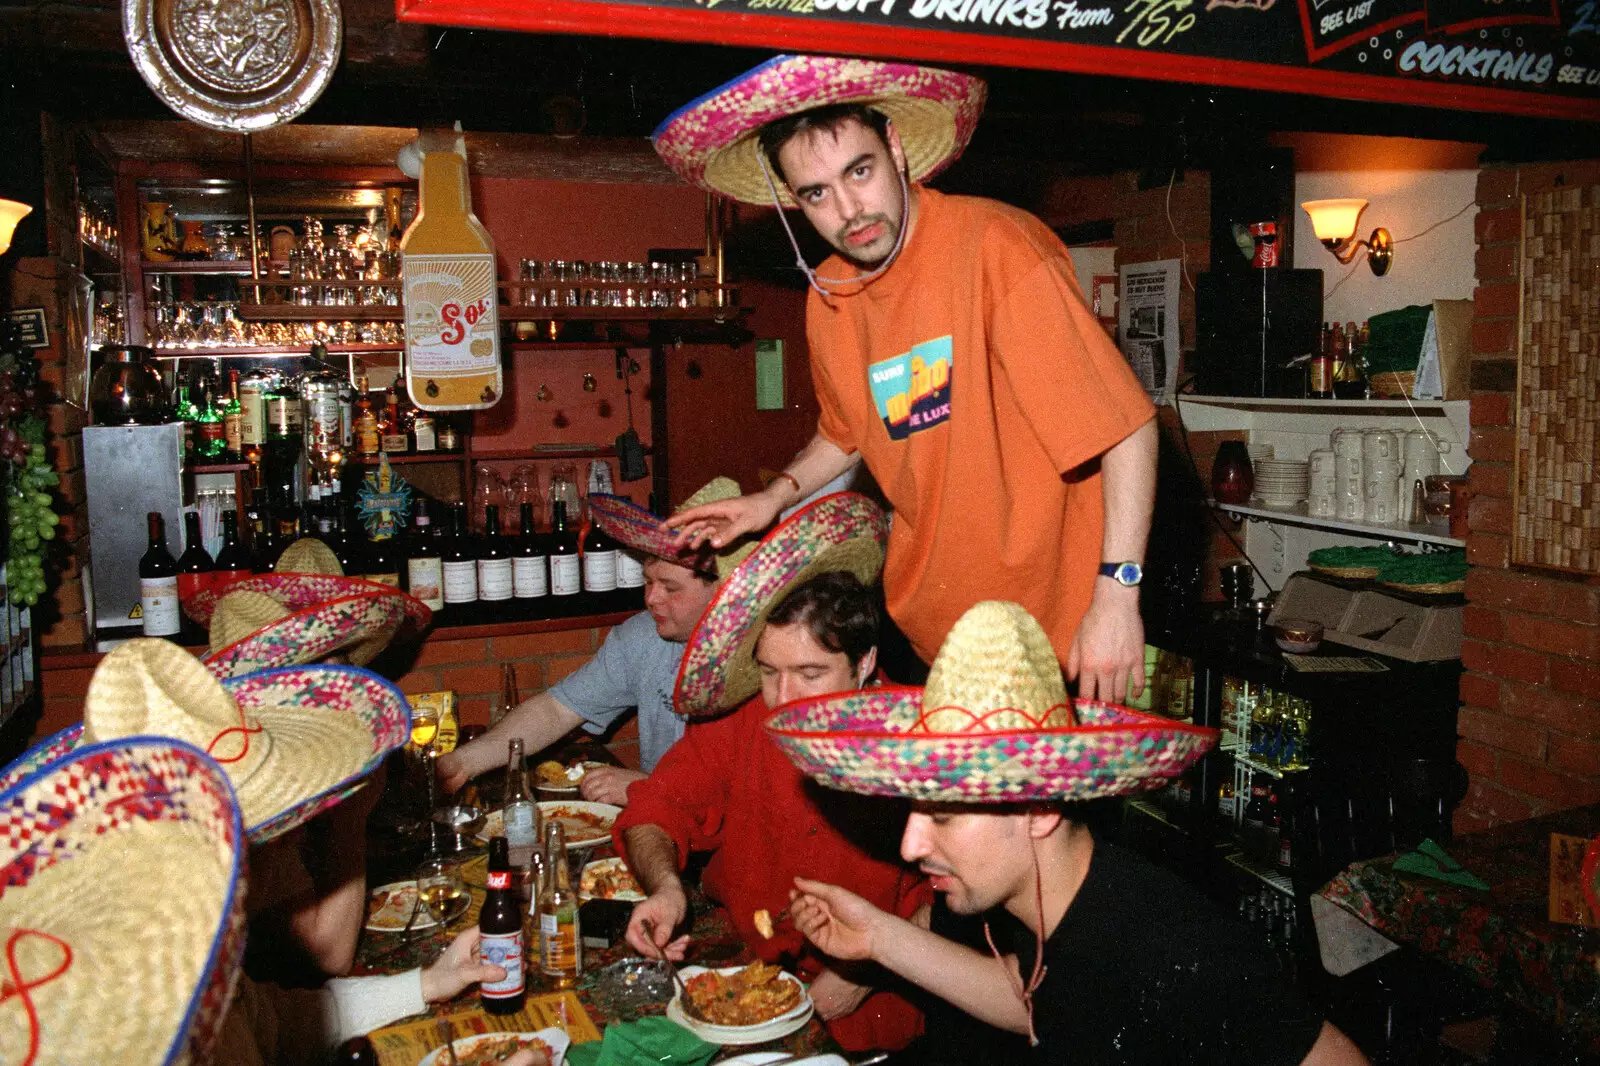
{"type": "Point", "coordinates": [1147, 325]}
{"type": "Point", "coordinates": [1556, 485]}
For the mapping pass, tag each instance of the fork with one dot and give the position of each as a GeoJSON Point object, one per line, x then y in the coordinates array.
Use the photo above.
{"type": "Point", "coordinates": [416, 907]}
{"type": "Point", "coordinates": [447, 1034]}
{"type": "Point", "coordinates": [689, 1009]}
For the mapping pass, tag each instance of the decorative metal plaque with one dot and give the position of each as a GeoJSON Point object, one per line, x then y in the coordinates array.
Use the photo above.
{"type": "Point", "coordinates": [234, 65]}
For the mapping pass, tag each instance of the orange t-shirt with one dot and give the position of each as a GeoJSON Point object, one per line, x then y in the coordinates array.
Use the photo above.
{"type": "Point", "coordinates": [978, 388]}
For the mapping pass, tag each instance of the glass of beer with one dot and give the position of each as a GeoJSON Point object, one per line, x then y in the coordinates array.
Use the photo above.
{"type": "Point", "coordinates": [443, 894]}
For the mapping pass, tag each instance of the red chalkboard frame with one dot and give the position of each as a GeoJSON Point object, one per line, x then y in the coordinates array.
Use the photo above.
{"type": "Point", "coordinates": [790, 33]}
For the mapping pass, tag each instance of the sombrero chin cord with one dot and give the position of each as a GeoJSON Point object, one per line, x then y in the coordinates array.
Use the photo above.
{"type": "Point", "coordinates": [1036, 978]}
{"type": "Point", "coordinates": [816, 280]}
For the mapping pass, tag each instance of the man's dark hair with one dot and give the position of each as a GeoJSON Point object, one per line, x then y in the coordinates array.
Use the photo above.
{"type": "Point", "coordinates": [839, 611]}
{"type": "Point", "coordinates": [777, 133]}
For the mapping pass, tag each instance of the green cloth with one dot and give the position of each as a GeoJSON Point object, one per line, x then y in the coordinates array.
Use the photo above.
{"type": "Point", "coordinates": [649, 1041]}
{"type": "Point", "coordinates": [1430, 860]}
{"type": "Point", "coordinates": [1394, 339]}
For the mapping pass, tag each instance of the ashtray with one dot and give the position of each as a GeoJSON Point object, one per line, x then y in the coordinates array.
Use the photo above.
{"type": "Point", "coordinates": [632, 986]}
{"type": "Point", "coordinates": [1297, 635]}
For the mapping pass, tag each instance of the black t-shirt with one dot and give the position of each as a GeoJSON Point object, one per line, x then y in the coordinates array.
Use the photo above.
{"type": "Point", "coordinates": [1141, 971]}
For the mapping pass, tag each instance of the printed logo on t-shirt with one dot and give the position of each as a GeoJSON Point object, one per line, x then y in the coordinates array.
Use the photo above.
{"type": "Point", "coordinates": [912, 390]}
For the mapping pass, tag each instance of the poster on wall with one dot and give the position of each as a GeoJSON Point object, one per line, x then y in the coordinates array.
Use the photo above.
{"type": "Point", "coordinates": [1147, 325]}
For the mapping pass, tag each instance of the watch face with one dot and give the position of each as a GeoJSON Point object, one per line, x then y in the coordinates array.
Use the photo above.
{"type": "Point", "coordinates": [1129, 574]}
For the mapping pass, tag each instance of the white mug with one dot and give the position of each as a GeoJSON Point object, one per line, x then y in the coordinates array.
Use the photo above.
{"type": "Point", "coordinates": [1380, 444]}
{"type": "Point", "coordinates": [1322, 505]}
{"type": "Point", "coordinates": [1320, 461]}
{"type": "Point", "coordinates": [1352, 505]}
{"type": "Point", "coordinates": [1347, 443]}
{"type": "Point", "coordinates": [1350, 470]}
{"type": "Point", "coordinates": [1383, 500]}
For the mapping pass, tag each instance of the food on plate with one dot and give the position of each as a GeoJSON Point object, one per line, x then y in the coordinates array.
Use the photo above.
{"type": "Point", "coordinates": [763, 922]}
{"type": "Point", "coordinates": [580, 825]}
{"type": "Point", "coordinates": [553, 774]}
{"type": "Point", "coordinates": [608, 879]}
{"type": "Point", "coordinates": [389, 908]}
{"type": "Point", "coordinates": [751, 996]}
{"type": "Point", "coordinates": [489, 1052]}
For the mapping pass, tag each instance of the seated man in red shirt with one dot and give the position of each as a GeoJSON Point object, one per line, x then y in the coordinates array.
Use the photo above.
{"type": "Point", "coordinates": [726, 788]}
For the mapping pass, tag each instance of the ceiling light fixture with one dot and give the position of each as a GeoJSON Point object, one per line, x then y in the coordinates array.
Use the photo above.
{"type": "Point", "coordinates": [1335, 224]}
{"type": "Point", "coordinates": [11, 213]}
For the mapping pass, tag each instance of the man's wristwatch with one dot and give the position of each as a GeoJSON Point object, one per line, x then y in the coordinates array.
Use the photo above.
{"type": "Point", "coordinates": [1126, 574]}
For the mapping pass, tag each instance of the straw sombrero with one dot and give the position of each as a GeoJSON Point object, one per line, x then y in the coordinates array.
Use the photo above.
{"type": "Point", "coordinates": [121, 906]}
{"type": "Point", "coordinates": [993, 725]}
{"type": "Point", "coordinates": [295, 741]}
{"type": "Point", "coordinates": [843, 531]}
{"type": "Point", "coordinates": [713, 141]}
{"type": "Point", "coordinates": [300, 590]}
{"type": "Point", "coordinates": [252, 631]}
{"type": "Point", "coordinates": [637, 529]}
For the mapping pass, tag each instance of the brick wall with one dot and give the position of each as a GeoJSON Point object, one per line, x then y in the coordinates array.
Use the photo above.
{"type": "Point", "coordinates": [1530, 717]}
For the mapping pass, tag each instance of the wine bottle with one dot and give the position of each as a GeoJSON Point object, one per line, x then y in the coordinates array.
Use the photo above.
{"type": "Point", "coordinates": [382, 561]}
{"type": "Point", "coordinates": [233, 562]}
{"type": "Point", "coordinates": [566, 578]}
{"type": "Point", "coordinates": [500, 929]}
{"type": "Point", "coordinates": [494, 559]}
{"type": "Point", "coordinates": [424, 567]}
{"type": "Point", "coordinates": [158, 583]}
{"type": "Point", "coordinates": [195, 564]}
{"type": "Point", "coordinates": [530, 569]}
{"type": "Point", "coordinates": [599, 565]}
{"type": "Point", "coordinates": [460, 564]}
{"type": "Point", "coordinates": [346, 547]}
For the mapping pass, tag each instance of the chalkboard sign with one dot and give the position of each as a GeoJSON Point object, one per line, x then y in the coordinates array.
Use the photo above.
{"type": "Point", "coordinates": [1530, 57]}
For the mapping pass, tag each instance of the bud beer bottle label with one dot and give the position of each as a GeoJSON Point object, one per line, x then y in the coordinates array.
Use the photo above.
{"type": "Point", "coordinates": [503, 949]}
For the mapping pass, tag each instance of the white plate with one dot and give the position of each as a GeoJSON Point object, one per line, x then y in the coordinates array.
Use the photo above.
{"type": "Point", "coordinates": [784, 1024]}
{"type": "Point", "coordinates": [603, 866]}
{"type": "Point", "coordinates": [557, 1040]}
{"type": "Point", "coordinates": [763, 1058]}
{"type": "Point", "coordinates": [494, 822]}
{"type": "Point", "coordinates": [393, 919]}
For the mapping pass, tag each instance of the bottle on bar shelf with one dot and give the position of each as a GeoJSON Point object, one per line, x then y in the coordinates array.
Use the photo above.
{"type": "Point", "coordinates": [368, 441]}
{"type": "Point", "coordinates": [449, 440]}
{"type": "Point", "coordinates": [381, 561]}
{"type": "Point", "coordinates": [212, 446]}
{"type": "Point", "coordinates": [424, 566]}
{"type": "Point", "coordinates": [420, 427]}
{"type": "Point", "coordinates": [566, 578]}
{"type": "Point", "coordinates": [392, 436]}
{"type": "Point", "coordinates": [494, 560]}
{"type": "Point", "coordinates": [349, 549]}
{"type": "Point", "coordinates": [233, 562]}
{"type": "Point", "coordinates": [599, 566]}
{"type": "Point", "coordinates": [195, 564]}
{"type": "Point", "coordinates": [500, 929]}
{"type": "Point", "coordinates": [233, 420]}
{"type": "Point", "coordinates": [186, 412]}
{"type": "Point", "coordinates": [630, 577]}
{"type": "Point", "coordinates": [460, 565]}
{"type": "Point", "coordinates": [158, 583]}
{"type": "Point", "coordinates": [530, 569]}
{"type": "Point", "coordinates": [561, 954]}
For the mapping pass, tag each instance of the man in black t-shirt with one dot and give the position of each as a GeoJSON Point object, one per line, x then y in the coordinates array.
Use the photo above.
{"type": "Point", "coordinates": [1095, 955]}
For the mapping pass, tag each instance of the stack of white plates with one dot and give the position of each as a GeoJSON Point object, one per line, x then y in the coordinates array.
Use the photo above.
{"type": "Point", "coordinates": [1280, 483]}
{"type": "Point", "coordinates": [1261, 451]}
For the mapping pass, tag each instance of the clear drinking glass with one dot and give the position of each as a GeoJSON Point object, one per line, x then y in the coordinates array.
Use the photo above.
{"type": "Point", "coordinates": [442, 892]}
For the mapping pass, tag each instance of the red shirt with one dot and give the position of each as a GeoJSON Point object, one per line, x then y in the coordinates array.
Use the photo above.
{"type": "Point", "coordinates": [725, 787]}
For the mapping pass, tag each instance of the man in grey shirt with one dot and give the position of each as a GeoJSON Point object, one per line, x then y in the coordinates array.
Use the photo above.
{"type": "Point", "coordinates": [637, 666]}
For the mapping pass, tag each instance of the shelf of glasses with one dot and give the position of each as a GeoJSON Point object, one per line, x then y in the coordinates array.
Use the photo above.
{"type": "Point", "coordinates": [513, 313]}
{"type": "Point", "coordinates": [179, 352]}
{"type": "Point", "coordinates": [413, 457]}
{"type": "Point", "coordinates": [529, 454]}
{"type": "Point", "coordinates": [197, 266]}
{"type": "Point", "coordinates": [253, 312]}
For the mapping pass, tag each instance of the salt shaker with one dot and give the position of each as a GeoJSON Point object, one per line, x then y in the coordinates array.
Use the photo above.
{"type": "Point", "coordinates": [1419, 504]}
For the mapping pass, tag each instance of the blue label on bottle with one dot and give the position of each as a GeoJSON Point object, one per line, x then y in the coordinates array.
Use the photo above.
{"type": "Point", "coordinates": [504, 950]}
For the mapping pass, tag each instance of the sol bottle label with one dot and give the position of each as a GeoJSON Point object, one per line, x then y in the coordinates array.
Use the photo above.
{"type": "Point", "coordinates": [452, 330]}
{"type": "Point", "coordinates": [503, 950]}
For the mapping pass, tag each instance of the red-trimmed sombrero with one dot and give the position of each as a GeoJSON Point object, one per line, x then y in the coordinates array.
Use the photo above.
{"type": "Point", "coordinates": [844, 531]}
{"type": "Point", "coordinates": [993, 725]}
{"type": "Point", "coordinates": [712, 142]}
{"type": "Point", "coordinates": [297, 591]}
{"type": "Point", "coordinates": [295, 741]}
{"type": "Point", "coordinates": [252, 631]}
{"type": "Point", "coordinates": [121, 906]}
{"type": "Point", "coordinates": [641, 531]}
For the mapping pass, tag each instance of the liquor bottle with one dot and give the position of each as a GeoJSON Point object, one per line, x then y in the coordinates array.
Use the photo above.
{"type": "Point", "coordinates": [1349, 383]}
{"type": "Point", "coordinates": [519, 814]}
{"type": "Point", "coordinates": [460, 563]}
{"type": "Point", "coordinates": [500, 929]}
{"type": "Point", "coordinates": [258, 519]}
{"type": "Point", "coordinates": [211, 447]}
{"type": "Point", "coordinates": [195, 564]}
{"type": "Point", "coordinates": [253, 389]}
{"type": "Point", "coordinates": [561, 955]}
{"type": "Point", "coordinates": [566, 578]}
{"type": "Point", "coordinates": [494, 559]}
{"type": "Point", "coordinates": [449, 439]}
{"type": "Point", "coordinates": [348, 548]}
{"type": "Point", "coordinates": [1253, 829]}
{"type": "Point", "coordinates": [391, 430]}
{"type": "Point", "coordinates": [281, 454]}
{"type": "Point", "coordinates": [233, 562]}
{"type": "Point", "coordinates": [421, 427]}
{"type": "Point", "coordinates": [530, 570]}
{"type": "Point", "coordinates": [382, 561]}
{"type": "Point", "coordinates": [187, 413]}
{"type": "Point", "coordinates": [1225, 801]}
{"type": "Point", "coordinates": [368, 442]}
{"type": "Point", "coordinates": [424, 567]}
{"type": "Point", "coordinates": [233, 420]}
{"type": "Point", "coordinates": [448, 257]}
{"type": "Point", "coordinates": [158, 584]}
{"type": "Point", "coordinates": [599, 565]}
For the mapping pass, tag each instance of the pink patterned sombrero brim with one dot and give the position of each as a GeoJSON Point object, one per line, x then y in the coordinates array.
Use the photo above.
{"type": "Point", "coordinates": [298, 591]}
{"type": "Point", "coordinates": [711, 142]}
{"type": "Point", "coordinates": [842, 531]}
{"type": "Point", "coordinates": [637, 528]}
{"type": "Point", "coordinates": [380, 706]}
{"type": "Point", "coordinates": [71, 810]}
{"type": "Point", "coordinates": [361, 624]}
{"type": "Point", "coordinates": [845, 742]}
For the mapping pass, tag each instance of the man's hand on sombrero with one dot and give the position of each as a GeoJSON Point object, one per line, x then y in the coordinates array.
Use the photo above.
{"type": "Point", "coordinates": [719, 524]}
{"type": "Point", "coordinates": [839, 922]}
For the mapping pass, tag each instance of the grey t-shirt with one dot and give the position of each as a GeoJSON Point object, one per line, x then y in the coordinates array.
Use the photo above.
{"type": "Point", "coordinates": [634, 667]}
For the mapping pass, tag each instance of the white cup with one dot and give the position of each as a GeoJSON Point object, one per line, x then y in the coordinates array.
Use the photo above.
{"type": "Point", "coordinates": [1350, 468]}
{"type": "Point", "coordinates": [1320, 461]}
{"type": "Point", "coordinates": [1382, 500]}
{"type": "Point", "coordinates": [1322, 485]}
{"type": "Point", "coordinates": [1322, 505]}
{"type": "Point", "coordinates": [1347, 443]}
{"type": "Point", "coordinates": [1380, 444]}
{"type": "Point", "coordinates": [1352, 505]}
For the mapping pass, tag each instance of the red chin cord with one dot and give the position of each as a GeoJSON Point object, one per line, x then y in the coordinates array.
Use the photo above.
{"type": "Point", "coordinates": [1025, 993]}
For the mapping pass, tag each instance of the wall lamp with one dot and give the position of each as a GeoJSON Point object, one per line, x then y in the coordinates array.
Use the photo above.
{"type": "Point", "coordinates": [11, 213]}
{"type": "Point", "coordinates": [1335, 224]}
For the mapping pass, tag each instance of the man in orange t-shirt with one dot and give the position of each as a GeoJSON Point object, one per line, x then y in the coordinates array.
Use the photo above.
{"type": "Point", "coordinates": [952, 351]}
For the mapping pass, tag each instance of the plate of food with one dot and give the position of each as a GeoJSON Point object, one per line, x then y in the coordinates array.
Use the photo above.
{"type": "Point", "coordinates": [389, 908]}
{"type": "Point", "coordinates": [586, 824]}
{"type": "Point", "coordinates": [609, 879]}
{"type": "Point", "coordinates": [745, 1004]}
{"type": "Point", "coordinates": [552, 776]}
{"type": "Point", "coordinates": [487, 1049]}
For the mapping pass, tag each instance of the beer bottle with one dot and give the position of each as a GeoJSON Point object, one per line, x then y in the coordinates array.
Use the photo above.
{"type": "Point", "coordinates": [519, 816]}
{"type": "Point", "coordinates": [561, 955]}
{"type": "Point", "coordinates": [500, 925]}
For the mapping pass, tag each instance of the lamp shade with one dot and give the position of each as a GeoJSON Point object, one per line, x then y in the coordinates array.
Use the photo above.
{"type": "Point", "coordinates": [1334, 220]}
{"type": "Point", "coordinates": [11, 213]}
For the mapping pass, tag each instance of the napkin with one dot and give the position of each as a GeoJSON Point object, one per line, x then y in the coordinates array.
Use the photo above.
{"type": "Point", "coordinates": [1430, 860]}
{"type": "Point", "coordinates": [649, 1041]}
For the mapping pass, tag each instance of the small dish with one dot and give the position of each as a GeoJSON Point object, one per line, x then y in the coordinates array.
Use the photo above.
{"type": "Point", "coordinates": [601, 868]}
{"type": "Point", "coordinates": [555, 1039]}
{"type": "Point", "coordinates": [1298, 635]}
{"type": "Point", "coordinates": [633, 985]}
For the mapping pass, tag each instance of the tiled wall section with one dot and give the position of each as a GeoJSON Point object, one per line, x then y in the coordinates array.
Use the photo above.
{"type": "Point", "coordinates": [1530, 717]}
{"type": "Point", "coordinates": [471, 668]}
